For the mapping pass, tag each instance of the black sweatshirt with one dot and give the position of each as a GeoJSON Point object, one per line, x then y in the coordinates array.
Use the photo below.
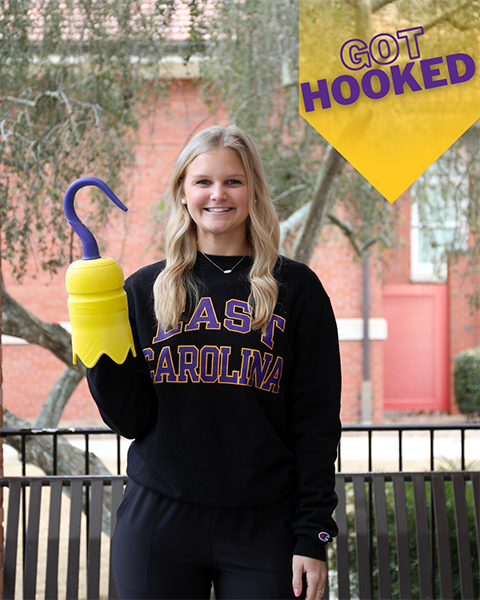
{"type": "Point", "coordinates": [223, 415]}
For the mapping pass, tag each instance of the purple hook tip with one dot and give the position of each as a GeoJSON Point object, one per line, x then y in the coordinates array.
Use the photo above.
{"type": "Point", "coordinates": [89, 243]}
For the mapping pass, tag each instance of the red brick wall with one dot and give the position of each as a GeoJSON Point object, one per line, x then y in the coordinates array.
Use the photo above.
{"type": "Point", "coordinates": [342, 275]}
{"type": "Point", "coordinates": [397, 260]}
{"type": "Point", "coordinates": [29, 372]}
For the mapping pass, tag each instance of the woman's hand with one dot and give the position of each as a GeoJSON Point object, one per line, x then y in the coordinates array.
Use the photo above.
{"type": "Point", "coordinates": [316, 572]}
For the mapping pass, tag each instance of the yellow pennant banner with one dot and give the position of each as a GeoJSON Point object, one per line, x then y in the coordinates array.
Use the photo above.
{"type": "Point", "coordinates": [390, 99]}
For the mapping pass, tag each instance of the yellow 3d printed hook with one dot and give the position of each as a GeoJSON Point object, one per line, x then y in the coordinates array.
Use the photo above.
{"type": "Point", "coordinates": [97, 302]}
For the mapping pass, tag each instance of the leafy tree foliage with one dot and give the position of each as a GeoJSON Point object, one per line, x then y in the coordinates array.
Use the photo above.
{"type": "Point", "coordinates": [73, 77]}
{"type": "Point", "coordinates": [252, 70]}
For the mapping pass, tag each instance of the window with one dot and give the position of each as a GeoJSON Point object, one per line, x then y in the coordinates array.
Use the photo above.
{"type": "Point", "coordinates": [438, 221]}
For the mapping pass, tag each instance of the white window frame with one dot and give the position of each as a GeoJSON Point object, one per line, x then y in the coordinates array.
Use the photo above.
{"type": "Point", "coordinates": [429, 272]}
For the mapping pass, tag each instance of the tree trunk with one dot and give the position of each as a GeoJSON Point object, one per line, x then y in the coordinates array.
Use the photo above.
{"type": "Point", "coordinates": [333, 163]}
{"type": "Point", "coordinates": [19, 322]}
{"type": "Point", "coordinates": [57, 398]}
{"type": "Point", "coordinates": [321, 204]}
{"type": "Point", "coordinates": [363, 19]}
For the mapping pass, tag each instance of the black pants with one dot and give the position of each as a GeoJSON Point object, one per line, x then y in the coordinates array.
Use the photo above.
{"type": "Point", "coordinates": [168, 549]}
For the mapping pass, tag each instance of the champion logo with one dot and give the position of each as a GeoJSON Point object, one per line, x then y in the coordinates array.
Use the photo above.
{"type": "Point", "coordinates": [324, 536]}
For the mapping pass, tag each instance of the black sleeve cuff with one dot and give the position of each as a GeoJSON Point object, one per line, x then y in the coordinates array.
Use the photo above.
{"type": "Point", "coordinates": [311, 548]}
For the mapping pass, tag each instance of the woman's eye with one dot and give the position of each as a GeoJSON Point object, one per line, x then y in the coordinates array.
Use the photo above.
{"type": "Point", "coordinates": [228, 182]}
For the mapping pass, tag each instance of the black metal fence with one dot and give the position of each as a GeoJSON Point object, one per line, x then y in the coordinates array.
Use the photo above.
{"type": "Point", "coordinates": [87, 433]}
{"type": "Point", "coordinates": [406, 535]}
{"type": "Point", "coordinates": [401, 535]}
{"type": "Point", "coordinates": [359, 434]}
{"type": "Point", "coordinates": [369, 433]}
{"type": "Point", "coordinates": [54, 544]}
{"type": "Point", "coordinates": [359, 512]}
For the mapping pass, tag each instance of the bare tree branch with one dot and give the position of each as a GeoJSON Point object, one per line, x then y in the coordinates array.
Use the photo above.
{"type": "Point", "coordinates": [378, 4]}
{"type": "Point", "coordinates": [19, 322]}
{"type": "Point", "coordinates": [294, 221]}
{"type": "Point", "coordinates": [290, 191]}
{"type": "Point", "coordinates": [299, 216]}
{"type": "Point", "coordinates": [444, 15]}
{"type": "Point", "coordinates": [347, 230]}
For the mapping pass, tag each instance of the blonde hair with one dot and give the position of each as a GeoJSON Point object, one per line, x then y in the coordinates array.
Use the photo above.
{"type": "Point", "coordinates": [175, 289]}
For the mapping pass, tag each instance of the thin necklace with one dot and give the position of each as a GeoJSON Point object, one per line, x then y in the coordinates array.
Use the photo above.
{"type": "Point", "coordinates": [227, 271]}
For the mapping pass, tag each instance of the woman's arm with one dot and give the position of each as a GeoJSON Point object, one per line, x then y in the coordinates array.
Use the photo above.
{"type": "Point", "coordinates": [124, 393]}
{"type": "Point", "coordinates": [314, 406]}
{"type": "Point", "coordinates": [124, 396]}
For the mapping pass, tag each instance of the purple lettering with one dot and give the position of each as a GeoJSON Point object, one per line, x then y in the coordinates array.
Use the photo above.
{"type": "Point", "coordinates": [209, 356]}
{"type": "Point", "coordinates": [404, 34]}
{"type": "Point", "coordinates": [224, 359]}
{"type": "Point", "coordinates": [429, 73]}
{"type": "Point", "coordinates": [381, 46]}
{"type": "Point", "coordinates": [452, 66]}
{"type": "Point", "coordinates": [400, 78]}
{"type": "Point", "coordinates": [238, 321]}
{"type": "Point", "coordinates": [161, 335]}
{"type": "Point", "coordinates": [149, 355]}
{"type": "Point", "coordinates": [309, 96]}
{"type": "Point", "coordinates": [267, 337]}
{"type": "Point", "coordinates": [272, 382]}
{"type": "Point", "coordinates": [165, 367]}
{"type": "Point", "coordinates": [367, 84]}
{"type": "Point", "coordinates": [188, 364]}
{"type": "Point", "coordinates": [246, 355]}
{"type": "Point", "coordinates": [337, 89]}
{"type": "Point", "coordinates": [204, 313]}
{"type": "Point", "coordinates": [354, 55]}
{"type": "Point", "coordinates": [259, 369]}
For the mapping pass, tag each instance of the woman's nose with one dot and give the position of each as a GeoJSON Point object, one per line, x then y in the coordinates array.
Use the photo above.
{"type": "Point", "coordinates": [218, 192]}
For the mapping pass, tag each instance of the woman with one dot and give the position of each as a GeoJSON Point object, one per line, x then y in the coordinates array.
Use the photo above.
{"type": "Point", "coordinates": [233, 398]}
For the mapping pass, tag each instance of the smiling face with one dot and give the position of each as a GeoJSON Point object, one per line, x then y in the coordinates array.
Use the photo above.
{"type": "Point", "coordinates": [216, 192]}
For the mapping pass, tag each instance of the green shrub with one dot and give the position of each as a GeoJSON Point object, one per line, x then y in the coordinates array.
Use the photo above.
{"type": "Point", "coordinates": [467, 380]}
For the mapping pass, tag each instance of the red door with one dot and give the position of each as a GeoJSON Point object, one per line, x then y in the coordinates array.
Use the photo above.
{"type": "Point", "coordinates": [416, 370]}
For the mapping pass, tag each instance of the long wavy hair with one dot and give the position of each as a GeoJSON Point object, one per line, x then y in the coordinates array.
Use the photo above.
{"type": "Point", "coordinates": [175, 289]}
